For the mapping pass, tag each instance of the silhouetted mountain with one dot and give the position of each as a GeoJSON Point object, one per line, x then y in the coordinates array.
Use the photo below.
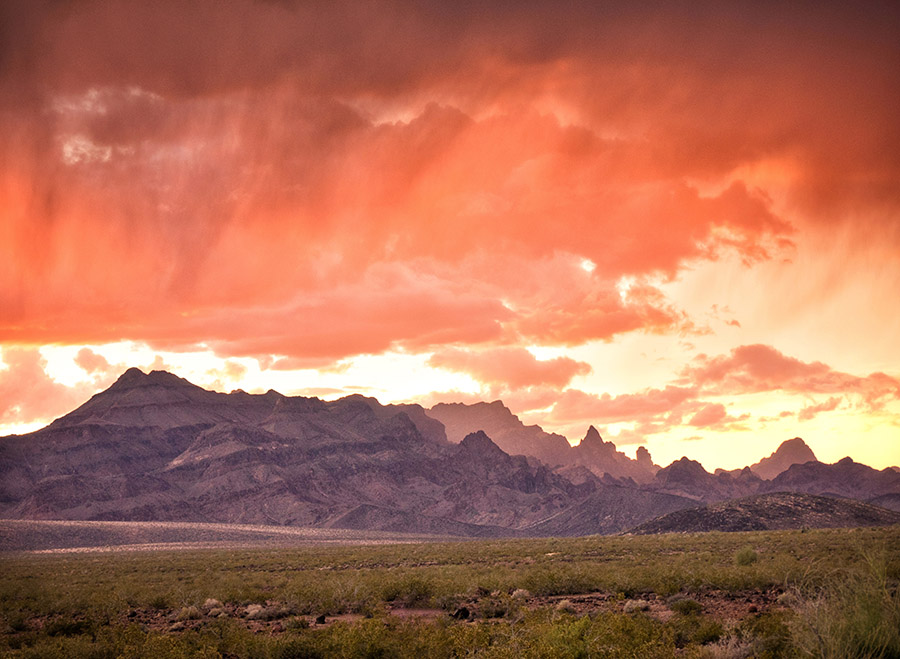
{"type": "Point", "coordinates": [516, 438]}
{"type": "Point", "coordinates": [790, 452]}
{"type": "Point", "coordinates": [602, 458]}
{"type": "Point", "coordinates": [503, 427]}
{"type": "Point", "coordinates": [688, 478]}
{"type": "Point", "coordinates": [155, 447]}
{"type": "Point", "coordinates": [783, 510]}
{"type": "Point", "coordinates": [845, 478]}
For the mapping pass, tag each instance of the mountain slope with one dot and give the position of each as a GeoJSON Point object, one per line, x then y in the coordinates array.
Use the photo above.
{"type": "Point", "coordinates": [844, 478]}
{"type": "Point", "coordinates": [156, 447]}
{"type": "Point", "coordinates": [782, 510]}
{"type": "Point", "coordinates": [608, 509]}
{"type": "Point", "coordinates": [516, 438]}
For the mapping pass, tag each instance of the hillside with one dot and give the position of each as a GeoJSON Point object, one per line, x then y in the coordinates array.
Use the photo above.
{"type": "Point", "coordinates": [154, 447]}
{"type": "Point", "coordinates": [782, 510]}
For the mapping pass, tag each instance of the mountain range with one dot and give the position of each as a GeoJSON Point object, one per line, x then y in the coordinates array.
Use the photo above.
{"type": "Point", "coordinates": [154, 447]}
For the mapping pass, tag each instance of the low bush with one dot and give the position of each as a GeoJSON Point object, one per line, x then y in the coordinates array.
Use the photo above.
{"type": "Point", "coordinates": [745, 556]}
{"type": "Point", "coordinates": [856, 614]}
{"type": "Point", "coordinates": [686, 606]}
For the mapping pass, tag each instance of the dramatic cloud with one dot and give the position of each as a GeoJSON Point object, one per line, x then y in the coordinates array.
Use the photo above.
{"type": "Point", "coordinates": [165, 144]}
{"type": "Point", "coordinates": [714, 415]}
{"type": "Point", "coordinates": [811, 411]}
{"type": "Point", "coordinates": [746, 370]}
{"type": "Point", "coordinates": [28, 394]}
{"type": "Point", "coordinates": [513, 367]}
{"type": "Point", "coordinates": [756, 368]}
{"type": "Point", "coordinates": [315, 184]}
{"type": "Point", "coordinates": [645, 406]}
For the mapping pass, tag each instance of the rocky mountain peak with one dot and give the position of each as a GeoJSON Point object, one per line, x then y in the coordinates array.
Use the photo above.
{"type": "Point", "coordinates": [790, 452]}
{"type": "Point", "coordinates": [643, 456]}
{"type": "Point", "coordinates": [134, 378]}
{"type": "Point", "coordinates": [687, 466]}
{"type": "Point", "coordinates": [130, 377]}
{"type": "Point", "coordinates": [592, 437]}
{"type": "Point", "coordinates": [479, 445]}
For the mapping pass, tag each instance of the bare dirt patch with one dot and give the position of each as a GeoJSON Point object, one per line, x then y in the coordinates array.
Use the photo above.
{"type": "Point", "coordinates": [78, 537]}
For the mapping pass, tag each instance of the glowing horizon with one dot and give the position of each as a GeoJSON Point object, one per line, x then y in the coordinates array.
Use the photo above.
{"type": "Point", "coordinates": [679, 225]}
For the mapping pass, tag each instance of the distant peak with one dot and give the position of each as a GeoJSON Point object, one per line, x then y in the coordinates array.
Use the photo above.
{"type": "Point", "coordinates": [789, 452]}
{"type": "Point", "coordinates": [686, 464]}
{"type": "Point", "coordinates": [135, 377]}
{"type": "Point", "coordinates": [794, 444]}
{"type": "Point", "coordinates": [131, 376]}
{"type": "Point", "coordinates": [592, 437]}
{"type": "Point", "coordinates": [481, 445]}
{"type": "Point", "coordinates": [643, 455]}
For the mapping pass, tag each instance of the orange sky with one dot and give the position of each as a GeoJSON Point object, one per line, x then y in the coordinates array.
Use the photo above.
{"type": "Point", "coordinates": [681, 225]}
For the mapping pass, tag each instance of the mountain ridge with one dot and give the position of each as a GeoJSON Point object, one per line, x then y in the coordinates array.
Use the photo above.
{"type": "Point", "coordinates": [155, 447]}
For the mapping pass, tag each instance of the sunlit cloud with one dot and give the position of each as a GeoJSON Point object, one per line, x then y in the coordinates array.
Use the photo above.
{"type": "Point", "coordinates": [412, 200]}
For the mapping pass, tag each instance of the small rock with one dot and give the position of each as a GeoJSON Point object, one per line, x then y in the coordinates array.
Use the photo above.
{"type": "Point", "coordinates": [253, 611]}
{"type": "Point", "coordinates": [211, 604]}
{"type": "Point", "coordinates": [188, 613]}
{"type": "Point", "coordinates": [462, 613]}
{"type": "Point", "coordinates": [215, 613]}
{"type": "Point", "coordinates": [565, 606]}
{"type": "Point", "coordinates": [520, 594]}
{"type": "Point", "coordinates": [630, 606]}
{"type": "Point", "coordinates": [177, 627]}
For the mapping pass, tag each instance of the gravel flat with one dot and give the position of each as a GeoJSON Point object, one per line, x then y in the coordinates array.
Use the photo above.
{"type": "Point", "coordinates": [67, 536]}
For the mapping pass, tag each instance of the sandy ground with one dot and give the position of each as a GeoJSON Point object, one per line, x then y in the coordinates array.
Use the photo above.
{"type": "Point", "coordinates": [65, 536]}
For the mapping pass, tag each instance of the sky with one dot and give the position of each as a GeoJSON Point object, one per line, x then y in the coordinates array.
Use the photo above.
{"type": "Point", "coordinates": [677, 222]}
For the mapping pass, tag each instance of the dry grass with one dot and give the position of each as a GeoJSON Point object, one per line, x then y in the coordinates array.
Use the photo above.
{"type": "Point", "coordinates": [835, 599]}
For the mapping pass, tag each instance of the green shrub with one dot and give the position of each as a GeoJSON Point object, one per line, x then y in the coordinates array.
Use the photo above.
{"type": "Point", "coordinates": [767, 635]}
{"type": "Point", "coordinates": [496, 607]}
{"type": "Point", "coordinates": [159, 602]}
{"type": "Point", "coordinates": [853, 615]}
{"type": "Point", "coordinates": [686, 606]}
{"type": "Point", "coordinates": [296, 648]}
{"type": "Point", "coordinates": [296, 623]}
{"type": "Point", "coordinates": [67, 627]}
{"type": "Point", "coordinates": [745, 556]}
{"type": "Point", "coordinates": [410, 590]}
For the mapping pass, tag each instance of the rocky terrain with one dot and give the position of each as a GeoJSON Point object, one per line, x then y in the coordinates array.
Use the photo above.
{"type": "Point", "coordinates": [156, 448]}
{"type": "Point", "coordinates": [783, 510]}
{"type": "Point", "coordinates": [516, 438]}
